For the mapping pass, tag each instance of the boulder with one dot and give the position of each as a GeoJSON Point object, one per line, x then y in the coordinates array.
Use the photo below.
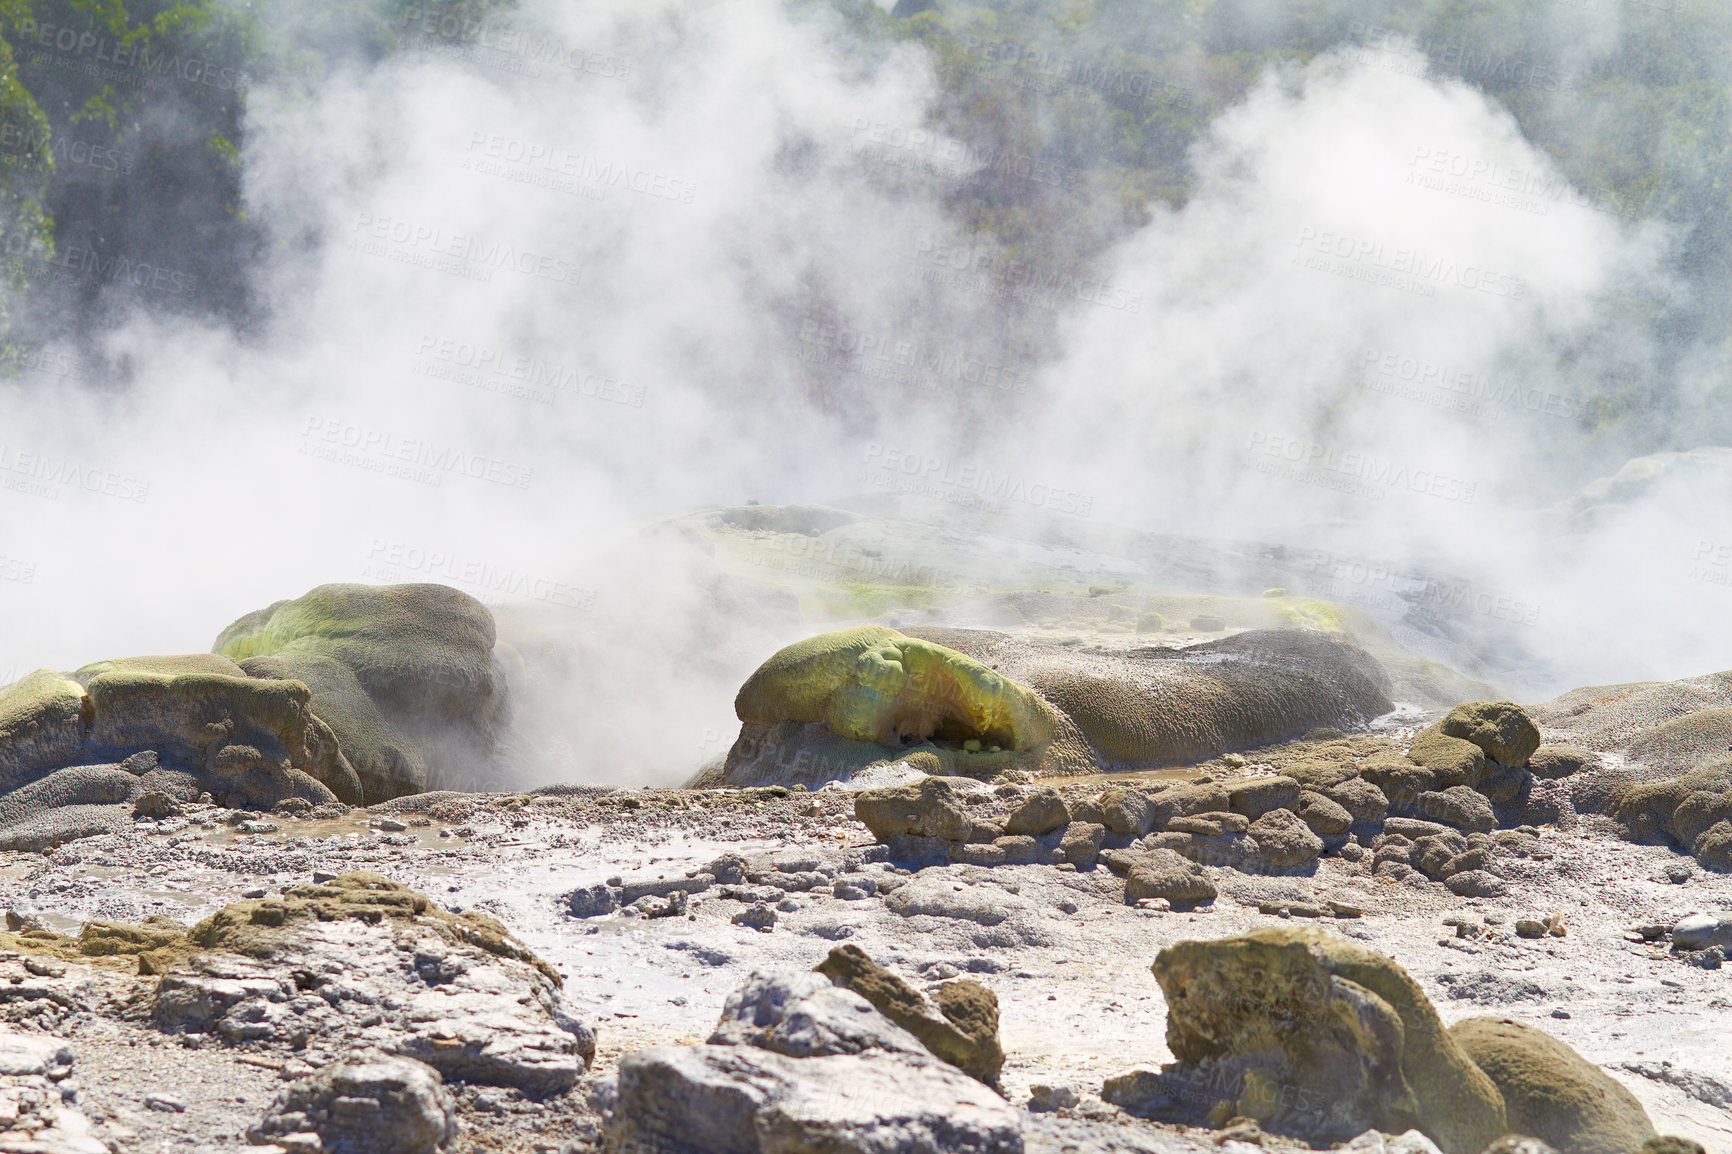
{"type": "Point", "coordinates": [964, 1031]}
{"type": "Point", "coordinates": [1041, 813]}
{"type": "Point", "coordinates": [872, 683]}
{"type": "Point", "coordinates": [1552, 1092]}
{"type": "Point", "coordinates": [1555, 761]}
{"type": "Point", "coordinates": [805, 1015]}
{"type": "Point", "coordinates": [1163, 873]}
{"type": "Point", "coordinates": [1361, 798]}
{"type": "Point", "coordinates": [1082, 843]}
{"type": "Point", "coordinates": [1318, 1037]}
{"type": "Point", "coordinates": [743, 1100]}
{"type": "Point", "coordinates": [1501, 729]}
{"type": "Point", "coordinates": [1450, 760]}
{"type": "Point", "coordinates": [1284, 841]}
{"type": "Point", "coordinates": [1256, 796]}
{"type": "Point", "coordinates": [1126, 811]}
{"type": "Point", "coordinates": [1458, 806]}
{"type": "Point", "coordinates": [369, 1103]}
{"type": "Point", "coordinates": [41, 725]}
{"type": "Point", "coordinates": [930, 807]}
{"type": "Point", "coordinates": [1185, 800]}
{"type": "Point", "coordinates": [422, 659]}
{"type": "Point", "coordinates": [1325, 817]}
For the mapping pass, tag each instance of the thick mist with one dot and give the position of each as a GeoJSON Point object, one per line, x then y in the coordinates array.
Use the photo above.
{"type": "Point", "coordinates": [519, 308]}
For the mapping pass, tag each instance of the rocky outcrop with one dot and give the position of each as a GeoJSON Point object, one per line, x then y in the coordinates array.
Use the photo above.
{"type": "Point", "coordinates": [963, 1032]}
{"type": "Point", "coordinates": [1316, 1036]}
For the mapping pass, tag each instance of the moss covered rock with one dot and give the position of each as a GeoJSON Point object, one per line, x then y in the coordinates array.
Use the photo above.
{"type": "Point", "coordinates": [41, 724]}
{"type": "Point", "coordinates": [874, 684]}
{"type": "Point", "coordinates": [1552, 1092]}
{"type": "Point", "coordinates": [404, 675]}
{"type": "Point", "coordinates": [964, 1031]}
{"type": "Point", "coordinates": [1319, 1037]}
{"type": "Point", "coordinates": [1502, 729]}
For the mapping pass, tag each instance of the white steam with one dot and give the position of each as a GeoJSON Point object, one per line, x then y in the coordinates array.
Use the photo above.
{"type": "Point", "coordinates": [517, 309]}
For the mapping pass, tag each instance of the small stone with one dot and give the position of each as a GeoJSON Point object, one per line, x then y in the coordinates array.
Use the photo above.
{"type": "Point", "coordinates": [1560, 1013]}
{"type": "Point", "coordinates": [45, 967]}
{"type": "Point", "coordinates": [1044, 1099]}
{"type": "Point", "coordinates": [1343, 910]}
{"type": "Point", "coordinates": [759, 917]}
{"type": "Point", "coordinates": [851, 893]}
{"type": "Point", "coordinates": [1554, 923]}
{"type": "Point", "coordinates": [389, 825]}
{"type": "Point", "coordinates": [258, 825]}
{"type": "Point", "coordinates": [1678, 873]}
{"type": "Point", "coordinates": [592, 901]}
{"type": "Point", "coordinates": [166, 1103]}
{"type": "Point", "coordinates": [1530, 928]}
{"type": "Point", "coordinates": [255, 892]}
{"type": "Point", "coordinates": [1708, 959]}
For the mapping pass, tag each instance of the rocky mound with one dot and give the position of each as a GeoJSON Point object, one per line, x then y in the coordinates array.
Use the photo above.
{"type": "Point", "coordinates": [978, 702]}
{"type": "Point", "coordinates": [1434, 810]}
{"type": "Point", "coordinates": [403, 674]}
{"type": "Point", "coordinates": [351, 694]}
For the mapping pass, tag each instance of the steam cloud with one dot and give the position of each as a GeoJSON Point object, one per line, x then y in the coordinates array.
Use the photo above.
{"type": "Point", "coordinates": [517, 309]}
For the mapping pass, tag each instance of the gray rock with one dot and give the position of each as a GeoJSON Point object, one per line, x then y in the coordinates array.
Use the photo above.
{"type": "Point", "coordinates": [1699, 931]}
{"type": "Point", "coordinates": [1284, 841]}
{"type": "Point", "coordinates": [1476, 884]}
{"type": "Point", "coordinates": [804, 1015]}
{"type": "Point", "coordinates": [593, 901]}
{"type": "Point", "coordinates": [759, 917]}
{"type": "Point", "coordinates": [1082, 843]}
{"type": "Point", "coordinates": [1163, 873]}
{"type": "Point", "coordinates": [742, 1100]}
{"type": "Point", "coordinates": [1459, 806]}
{"type": "Point", "coordinates": [1043, 812]}
{"type": "Point", "coordinates": [369, 1103]}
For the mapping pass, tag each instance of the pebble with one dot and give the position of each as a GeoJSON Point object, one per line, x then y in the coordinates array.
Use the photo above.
{"type": "Point", "coordinates": [1530, 928]}
{"type": "Point", "coordinates": [166, 1103]}
{"type": "Point", "coordinates": [1560, 1013]}
{"type": "Point", "coordinates": [259, 826]}
{"type": "Point", "coordinates": [389, 825]}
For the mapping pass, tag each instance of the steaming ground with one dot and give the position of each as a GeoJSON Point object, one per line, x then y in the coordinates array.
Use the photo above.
{"type": "Point", "coordinates": [516, 315]}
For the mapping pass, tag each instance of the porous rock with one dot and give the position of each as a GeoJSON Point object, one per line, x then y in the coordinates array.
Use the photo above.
{"type": "Point", "coordinates": [1163, 873]}
{"type": "Point", "coordinates": [1346, 1039]}
{"type": "Point", "coordinates": [963, 1033]}
{"type": "Point", "coordinates": [1552, 1092]}
{"type": "Point", "coordinates": [369, 1103]}
{"type": "Point", "coordinates": [925, 808]}
{"type": "Point", "coordinates": [743, 1100]}
{"type": "Point", "coordinates": [1502, 729]}
{"type": "Point", "coordinates": [1284, 841]}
